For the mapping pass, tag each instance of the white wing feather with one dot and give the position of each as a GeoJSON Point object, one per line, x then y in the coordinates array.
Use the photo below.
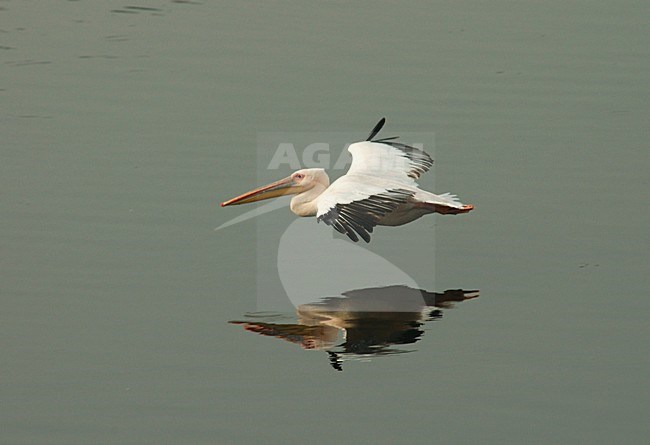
{"type": "Point", "coordinates": [376, 168]}
{"type": "Point", "coordinates": [397, 162]}
{"type": "Point", "coordinates": [348, 189]}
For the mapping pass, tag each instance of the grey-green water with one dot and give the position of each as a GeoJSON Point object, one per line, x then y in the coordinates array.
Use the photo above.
{"type": "Point", "coordinates": [122, 128]}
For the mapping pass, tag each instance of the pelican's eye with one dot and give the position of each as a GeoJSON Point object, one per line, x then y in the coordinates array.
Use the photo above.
{"type": "Point", "coordinates": [298, 176]}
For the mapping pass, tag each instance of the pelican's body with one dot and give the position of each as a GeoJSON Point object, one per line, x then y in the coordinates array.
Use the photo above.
{"type": "Point", "coordinates": [378, 189]}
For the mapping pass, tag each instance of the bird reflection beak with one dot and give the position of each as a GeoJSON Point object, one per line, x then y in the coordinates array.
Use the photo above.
{"type": "Point", "coordinates": [285, 186]}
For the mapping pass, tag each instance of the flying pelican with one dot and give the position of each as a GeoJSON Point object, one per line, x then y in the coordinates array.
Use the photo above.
{"type": "Point", "coordinates": [378, 189]}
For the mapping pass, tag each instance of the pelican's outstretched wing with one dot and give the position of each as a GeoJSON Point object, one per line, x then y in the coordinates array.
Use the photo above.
{"type": "Point", "coordinates": [388, 158]}
{"type": "Point", "coordinates": [354, 211]}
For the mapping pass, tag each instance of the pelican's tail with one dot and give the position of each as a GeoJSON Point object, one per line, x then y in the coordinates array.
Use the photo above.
{"type": "Point", "coordinates": [446, 204]}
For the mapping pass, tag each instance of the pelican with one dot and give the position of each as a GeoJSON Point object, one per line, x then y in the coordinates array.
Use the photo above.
{"type": "Point", "coordinates": [378, 189]}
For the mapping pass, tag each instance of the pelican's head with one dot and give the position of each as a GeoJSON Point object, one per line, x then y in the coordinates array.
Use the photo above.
{"type": "Point", "coordinates": [299, 182]}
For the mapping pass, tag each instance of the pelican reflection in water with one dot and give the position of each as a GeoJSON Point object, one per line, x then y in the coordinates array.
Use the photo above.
{"type": "Point", "coordinates": [362, 323]}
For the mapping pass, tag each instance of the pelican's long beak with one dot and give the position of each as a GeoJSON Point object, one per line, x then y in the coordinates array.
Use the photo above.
{"type": "Point", "coordinates": [285, 186]}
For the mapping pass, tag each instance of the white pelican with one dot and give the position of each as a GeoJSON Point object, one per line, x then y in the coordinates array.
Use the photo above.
{"type": "Point", "coordinates": [378, 189]}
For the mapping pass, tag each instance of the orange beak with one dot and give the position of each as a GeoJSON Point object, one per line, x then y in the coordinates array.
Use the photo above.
{"type": "Point", "coordinates": [285, 186]}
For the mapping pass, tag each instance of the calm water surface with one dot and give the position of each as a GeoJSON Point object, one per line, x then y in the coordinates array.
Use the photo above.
{"type": "Point", "coordinates": [123, 125]}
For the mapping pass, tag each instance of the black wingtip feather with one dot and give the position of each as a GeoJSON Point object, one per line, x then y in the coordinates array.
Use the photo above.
{"type": "Point", "coordinates": [419, 158]}
{"type": "Point", "coordinates": [357, 219]}
{"type": "Point", "coordinates": [377, 129]}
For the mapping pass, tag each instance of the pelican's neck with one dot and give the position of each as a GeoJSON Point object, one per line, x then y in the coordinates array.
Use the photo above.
{"type": "Point", "coordinates": [306, 203]}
